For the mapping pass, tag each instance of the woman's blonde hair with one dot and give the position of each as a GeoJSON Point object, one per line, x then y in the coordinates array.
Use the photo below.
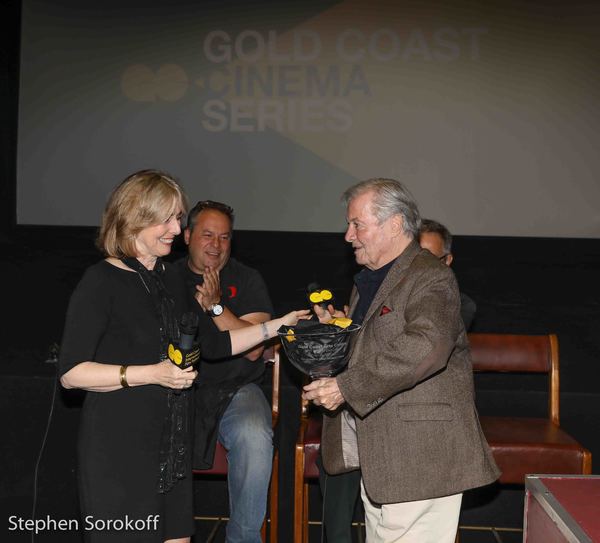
{"type": "Point", "coordinates": [145, 198]}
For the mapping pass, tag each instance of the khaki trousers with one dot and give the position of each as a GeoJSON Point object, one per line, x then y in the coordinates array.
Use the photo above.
{"type": "Point", "coordinates": [424, 521]}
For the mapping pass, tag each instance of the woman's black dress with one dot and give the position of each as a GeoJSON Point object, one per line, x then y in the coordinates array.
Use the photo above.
{"type": "Point", "coordinates": [112, 319]}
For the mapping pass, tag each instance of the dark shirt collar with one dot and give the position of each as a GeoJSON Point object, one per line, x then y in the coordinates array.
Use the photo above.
{"type": "Point", "coordinates": [367, 283]}
{"type": "Point", "coordinates": [192, 277]}
{"type": "Point", "coordinates": [366, 276]}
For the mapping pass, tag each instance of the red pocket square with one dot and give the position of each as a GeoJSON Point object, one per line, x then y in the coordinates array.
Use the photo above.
{"type": "Point", "coordinates": [384, 310]}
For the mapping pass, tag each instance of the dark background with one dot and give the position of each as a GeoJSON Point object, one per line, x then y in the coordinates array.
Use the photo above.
{"type": "Point", "coordinates": [521, 285]}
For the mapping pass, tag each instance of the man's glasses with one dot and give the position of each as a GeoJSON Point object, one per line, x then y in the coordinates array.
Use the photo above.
{"type": "Point", "coordinates": [443, 257]}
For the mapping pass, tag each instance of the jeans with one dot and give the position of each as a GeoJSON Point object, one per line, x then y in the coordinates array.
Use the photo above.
{"type": "Point", "coordinates": [245, 432]}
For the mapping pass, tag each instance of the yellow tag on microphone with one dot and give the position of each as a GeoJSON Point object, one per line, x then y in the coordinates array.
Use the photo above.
{"type": "Point", "coordinates": [183, 357]}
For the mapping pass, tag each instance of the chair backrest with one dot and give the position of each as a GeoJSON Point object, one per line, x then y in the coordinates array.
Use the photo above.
{"type": "Point", "coordinates": [510, 353]}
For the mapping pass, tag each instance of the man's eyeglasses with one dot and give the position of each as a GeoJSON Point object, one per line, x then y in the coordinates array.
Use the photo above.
{"type": "Point", "coordinates": [443, 257]}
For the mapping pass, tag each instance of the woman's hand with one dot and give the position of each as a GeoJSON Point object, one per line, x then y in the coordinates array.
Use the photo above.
{"type": "Point", "coordinates": [168, 375]}
{"type": "Point", "coordinates": [246, 338]}
{"type": "Point", "coordinates": [293, 317]}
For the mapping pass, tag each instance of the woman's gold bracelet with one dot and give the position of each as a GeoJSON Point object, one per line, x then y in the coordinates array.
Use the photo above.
{"type": "Point", "coordinates": [123, 377]}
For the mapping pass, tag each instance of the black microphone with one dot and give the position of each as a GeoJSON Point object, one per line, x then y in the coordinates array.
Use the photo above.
{"type": "Point", "coordinates": [185, 351]}
{"type": "Point", "coordinates": [187, 330]}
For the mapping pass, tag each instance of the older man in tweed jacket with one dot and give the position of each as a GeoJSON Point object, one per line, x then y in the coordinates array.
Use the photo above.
{"type": "Point", "coordinates": [403, 410]}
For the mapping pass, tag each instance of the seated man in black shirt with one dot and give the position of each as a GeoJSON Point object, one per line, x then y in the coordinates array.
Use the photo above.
{"type": "Point", "coordinates": [230, 405]}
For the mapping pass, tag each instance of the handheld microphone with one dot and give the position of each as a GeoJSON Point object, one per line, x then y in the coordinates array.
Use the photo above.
{"type": "Point", "coordinates": [186, 351]}
{"type": "Point", "coordinates": [187, 330]}
{"type": "Point", "coordinates": [319, 296]}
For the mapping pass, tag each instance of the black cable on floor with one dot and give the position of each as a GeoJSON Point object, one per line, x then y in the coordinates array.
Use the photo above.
{"type": "Point", "coordinates": [40, 454]}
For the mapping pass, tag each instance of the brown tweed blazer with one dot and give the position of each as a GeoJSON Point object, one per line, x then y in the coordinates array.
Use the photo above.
{"type": "Point", "coordinates": [409, 382]}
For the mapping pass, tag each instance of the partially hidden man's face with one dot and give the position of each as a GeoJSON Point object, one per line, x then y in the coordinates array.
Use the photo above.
{"type": "Point", "coordinates": [209, 243]}
{"type": "Point", "coordinates": [373, 243]}
{"type": "Point", "coordinates": [434, 243]}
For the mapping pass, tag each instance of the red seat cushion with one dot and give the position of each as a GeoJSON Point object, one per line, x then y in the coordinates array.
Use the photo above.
{"type": "Point", "coordinates": [520, 446]}
{"type": "Point", "coordinates": [527, 445]}
{"type": "Point", "coordinates": [219, 463]}
{"type": "Point", "coordinates": [312, 443]}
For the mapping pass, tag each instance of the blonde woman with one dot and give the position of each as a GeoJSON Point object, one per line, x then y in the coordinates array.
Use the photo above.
{"type": "Point", "coordinates": [134, 440]}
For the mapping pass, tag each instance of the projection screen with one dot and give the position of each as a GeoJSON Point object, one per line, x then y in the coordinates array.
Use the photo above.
{"type": "Point", "coordinates": [489, 113]}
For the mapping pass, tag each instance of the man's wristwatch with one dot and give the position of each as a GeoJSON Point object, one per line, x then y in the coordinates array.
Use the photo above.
{"type": "Point", "coordinates": [215, 309]}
